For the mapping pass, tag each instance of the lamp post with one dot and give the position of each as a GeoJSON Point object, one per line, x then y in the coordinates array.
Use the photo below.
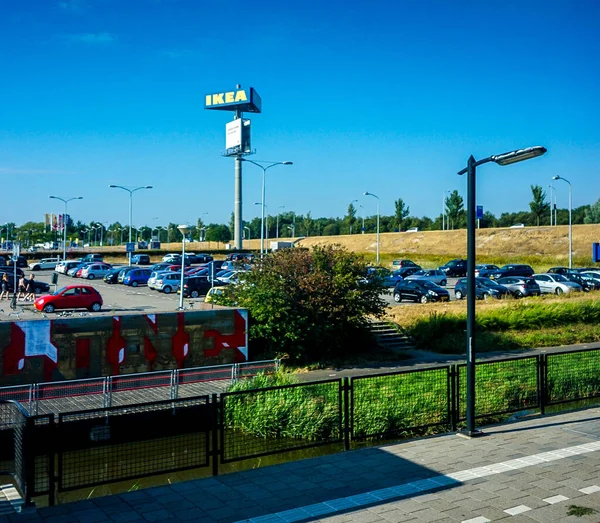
{"type": "Point", "coordinates": [552, 198]}
{"type": "Point", "coordinates": [470, 170]}
{"type": "Point", "coordinates": [130, 191]}
{"type": "Point", "coordinates": [277, 225]}
{"type": "Point", "coordinates": [183, 229]}
{"type": "Point", "coordinates": [377, 197]}
{"type": "Point", "coordinates": [65, 201]}
{"type": "Point", "coordinates": [570, 220]}
{"type": "Point", "coordinates": [262, 218]}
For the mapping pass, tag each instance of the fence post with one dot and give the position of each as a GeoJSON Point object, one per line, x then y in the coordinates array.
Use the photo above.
{"type": "Point", "coordinates": [453, 399]}
{"type": "Point", "coordinates": [36, 395]}
{"type": "Point", "coordinates": [174, 384]}
{"type": "Point", "coordinates": [277, 364]}
{"type": "Point", "coordinates": [542, 367]}
{"type": "Point", "coordinates": [346, 401]}
{"type": "Point", "coordinates": [28, 472]}
{"type": "Point", "coordinates": [216, 415]}
{"type": "Point", "coordinates": [108, 392]}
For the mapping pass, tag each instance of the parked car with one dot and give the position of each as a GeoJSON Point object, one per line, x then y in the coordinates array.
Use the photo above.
{"type": "Point", "coordinates": [175, 259]}
{"type": "Point", "coordinates": [592, 278]}
{"type": "Point", "coordinates": [92, 258]}
{"type": "Point", "coordinates": [513, 269]}
{"type": "Point", "coordinates": [555, 284]}
{"type": "Point", "coordinates": [95, 270]}
{"type": "Point", "coordinates": [401, 264]}
{"type": "Point", "coordinates": [160, 267]}
{"type": "Point", "coordinates": [140, 259]}
{"type": "Point", "coordinates": [216, 291]}
{"type": "Point", "coordinates": [195, 286]}
{"type": "Point", "coordinates": [11, 271]}
{"type": "Point", "coordinates": [454, 268]}
{"type": "Point", "coordinates": [44, 263]}
{"type": "Point", "coordinates": [168, 282]}
{"type": "Point", "coordinates": [434, 275]}
{"type": "Point", "coordinates": [572, 275]}
{"type": "Point", "coordinates": [420, 290]}
{"type": "Point", "coordinates": [392, 278]}
{"type": "Point", "coordinates": [21, 262]}
{"type": "Point", "coordinates": [70, 297]}
{"type": "Point", "coordinates": [485, 270]}
{"type": "Point", "coordinates": [240, 256]}
{"type": "Point", "coordinates": [484, 289]}
{"type": "Point", "coordinates": [63, 266]}
{"type": "Point", "coordinates": [137, 277]}
{"type": "Point", "coordinates": [112, 275]}
{"type": "Point", "coordinates": [199, 258]}
{"type": "Point", "coordinates": [214, 263]}
{"type": "Point", "coordinates": [72, 272]}
{"type": "Point", "coordinates": [154, 275]}
{"type": "Point", "coordinates": [122, 273]}
{"type": "Point", "coordinates": [520, 286]}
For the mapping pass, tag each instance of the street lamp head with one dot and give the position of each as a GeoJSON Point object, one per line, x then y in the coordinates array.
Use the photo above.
{"type": "Point", "coordinates": [287, 163]}
{"type": "Point", "coordinates": [148, 187]}
{"type": "Point", "coordinates": [557, 177]}
{"type": "Point", "coordinates": [519, 156]}
{"type": "Point", "coordinates": [183, 229]}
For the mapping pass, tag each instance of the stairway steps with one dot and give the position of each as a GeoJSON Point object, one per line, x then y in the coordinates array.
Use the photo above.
{"type": "Point", "coordinates": [389, 337]}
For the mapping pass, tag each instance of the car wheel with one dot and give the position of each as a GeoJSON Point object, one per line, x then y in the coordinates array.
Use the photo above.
{"type": "Point", "coordinates": [485, 296]}
{"type": "Point", "coordinates": [424, 299]}
{"type": "Point", "coordinates": [458, 294]}
{"type": "Point", "coordinates": [95, 307]}
{"type": "Point", "coordinates": [49, 308]}
{"type": "Point", "coordinates": [91, 276]}
{"type": "Point", "coordinates": [167, 290]}
{"type": "Point", "coordinates": [518, 294]}
{"type": "Point", "coordinates": [35, 268]}
{"type": "Point", "coordinates": [558, 291]}
{"type": "Point", "coordinates": [194, 294]}
{"type": "Point", "coordinates": [443, 283]}
{"type": "Point", "coordinates": [397, 297]}
{"type": "Point", "coordinates": [134, 283]}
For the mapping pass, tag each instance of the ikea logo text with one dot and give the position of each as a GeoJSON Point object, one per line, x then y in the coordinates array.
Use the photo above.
{"type": "Point", "coordinates": [229, 97]}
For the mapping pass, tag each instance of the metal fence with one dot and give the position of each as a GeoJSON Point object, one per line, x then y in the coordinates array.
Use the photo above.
{"type": "Point", "coordinates": [127, 389]}
{"type": "Point", "coordinates": [114, 443]}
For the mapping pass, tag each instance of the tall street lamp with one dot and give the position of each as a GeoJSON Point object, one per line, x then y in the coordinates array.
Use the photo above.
{"type": "Point", "coordinates": [65, 201]}
{"type": "Point", "coordinates": [570, 220]}
{"type": "Point", "coordinates": [371, 194]}
{"type": "Point", "coordinates": [552, 198]}
{"type": "Point", "coordinates": [262, 218]}
{"type": "Point", "coordinates": [472, 164]}
{"type": "Point", "coordinates": [130, 191]}
{"type": "Point", "coordinates": [184, 230]}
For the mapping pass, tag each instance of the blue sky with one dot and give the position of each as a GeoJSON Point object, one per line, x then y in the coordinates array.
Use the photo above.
{"type": "Point", "coordinates": [378, 96]}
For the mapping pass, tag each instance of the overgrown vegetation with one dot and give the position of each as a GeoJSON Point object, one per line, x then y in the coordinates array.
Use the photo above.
{"type": "Point", "coordinates": [309, 305]}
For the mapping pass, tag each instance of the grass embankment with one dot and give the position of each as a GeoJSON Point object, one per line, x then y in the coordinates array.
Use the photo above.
{"type": "Point", "coordinates": [504, 324]}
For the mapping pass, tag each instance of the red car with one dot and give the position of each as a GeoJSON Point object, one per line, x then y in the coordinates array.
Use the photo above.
{"type": "Point", "coordinates": [70, 297]}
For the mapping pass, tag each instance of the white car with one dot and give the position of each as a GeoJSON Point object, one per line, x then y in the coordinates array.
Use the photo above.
{"type": "Point", "coordinates": [64, 266]}
{"type": "Point", "coordinates": [168, 282]}
{"type": "Point", "coordinates": [555, 284]}
{"type": "Point", "coordinates": [44, 263]}
{"type": "Point", "coordinates": [95, 270]}
{"type": "Point", "coordinates": [434, 275]}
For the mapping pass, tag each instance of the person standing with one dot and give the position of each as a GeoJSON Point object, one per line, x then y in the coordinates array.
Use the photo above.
{"type": "Point", "coordinates": [4, 287]}
{"type": "Point", "coordinates": [22, 287]}
{"type": "Point", "coordinates": [30, 296]}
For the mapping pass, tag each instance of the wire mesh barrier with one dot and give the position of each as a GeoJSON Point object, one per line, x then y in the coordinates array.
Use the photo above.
{"type": "Point", "coordinates": [401, 404]}
{"type": "Point", "coordinates": [12, 427]}
{"type": "Point", "coordinates": [501, 387]}
{"type": "Point", "coordinates": [83, 449]}
{"type": "Point", "coordinates": [21, 393]}
{"type": "Point", "coordinates": [101, 446]}
{"type": "Point", "coordinates": [69, 395]}
{"type": "Point", "coordinates": [250, 369]}
{"type": "Point", "coordinates": [571, 376]}
{"type": "Point", "coordinates": [266, 421]}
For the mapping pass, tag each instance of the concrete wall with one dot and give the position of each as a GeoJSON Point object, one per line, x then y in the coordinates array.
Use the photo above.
{"type": "Point", "coordinates": [59, 349]}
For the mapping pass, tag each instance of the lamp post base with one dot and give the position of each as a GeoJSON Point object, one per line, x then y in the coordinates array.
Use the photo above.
{"type": "Point", "coordinates": [470, 433]}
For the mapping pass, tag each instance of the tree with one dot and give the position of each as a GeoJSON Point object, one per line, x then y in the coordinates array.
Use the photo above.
{"type": "Point", "coordinates": [592, 215]}
{"type": "Point", "coordinates": [539, 206]}
{"type": "Point", "coordinates": [309, 304]}
{"type": "Point", "coordinates": [455, 210]}
{"type": "Point", "coordinates": [218, 233]}
{"type": "Point", "coordinates": [350, 217]}
{"type": "Point", "coordinates": [402, 211]}
{"type": "Point", "coordinates": [307, 222]}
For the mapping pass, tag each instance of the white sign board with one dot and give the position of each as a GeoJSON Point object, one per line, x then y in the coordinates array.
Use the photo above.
{"type": "Point", "coordinates": [233, 134]}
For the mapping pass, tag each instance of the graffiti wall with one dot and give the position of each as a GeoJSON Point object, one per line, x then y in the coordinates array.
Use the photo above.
{"type": "Point", "coordinates": [87, 347]}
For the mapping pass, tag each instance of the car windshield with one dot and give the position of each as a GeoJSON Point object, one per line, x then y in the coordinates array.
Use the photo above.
{"type": "Point", "coordinates": [560, 278]}
{"type": "Point", "coordinates": [489, 283]}
{"type": "Point", "coordinates": [56, 293]}
{"type": "Point", "coordinates": [418, 273]}
{"type": "Point", "coordinates": [427, 284]}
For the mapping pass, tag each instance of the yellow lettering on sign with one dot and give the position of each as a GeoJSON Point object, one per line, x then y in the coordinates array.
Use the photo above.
{"type": "Point", "coordinates": [229, 97]}
{"type": "Point", "coordinates": [217, 98]}
{"type": "Point", "coordinates": [208, 99]}
{"type": "Point", "coordinates": [240, 96]}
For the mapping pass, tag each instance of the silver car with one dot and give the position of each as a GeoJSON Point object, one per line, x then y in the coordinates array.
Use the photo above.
{"type": "Point", "coordinates": [555, 284]}
{"type": "Point", "coordinates": [155, 275]}
{"type": "Point", "coordinates": [434, 275]}
{"type": "Point", "coordinates": [95, 270]}
{"type": "Point", "coordinates": [168, 282]}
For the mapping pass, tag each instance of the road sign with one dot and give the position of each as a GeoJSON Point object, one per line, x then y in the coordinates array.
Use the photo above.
{"type": "Point", "coordinates": [479, 213]}
{"type": "Point", "coordinates": [130, 247]}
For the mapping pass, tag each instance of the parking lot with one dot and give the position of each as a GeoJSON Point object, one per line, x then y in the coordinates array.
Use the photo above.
{"type": "Point", "coordinates": [122, 299]}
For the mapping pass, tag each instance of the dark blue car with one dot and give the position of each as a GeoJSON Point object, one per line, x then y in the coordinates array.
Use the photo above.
{"type": "Point", "coordinates": [137, 277]}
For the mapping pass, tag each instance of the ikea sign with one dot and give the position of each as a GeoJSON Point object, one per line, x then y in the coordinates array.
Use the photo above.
{"type": "Point", "coordinates": [243, 100]}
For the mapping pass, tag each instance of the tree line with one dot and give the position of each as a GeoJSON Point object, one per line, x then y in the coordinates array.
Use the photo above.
{"type": "Point", "coordinates": [289, 224]}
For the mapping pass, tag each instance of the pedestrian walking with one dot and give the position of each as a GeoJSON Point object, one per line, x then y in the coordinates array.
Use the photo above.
{"type": "Point", "coordinates": [22, 288]}
{"type": "Point", "coordinates": [30, 296]}
{"type": "Point", "coordinates": [4, 287]}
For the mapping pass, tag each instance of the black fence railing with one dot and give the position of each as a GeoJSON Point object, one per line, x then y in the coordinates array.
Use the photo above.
{"type": "Point", "coordinates": [49, 454]}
